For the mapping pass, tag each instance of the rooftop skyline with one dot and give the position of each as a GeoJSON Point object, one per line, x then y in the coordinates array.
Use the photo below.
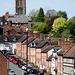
{"type": "Point", "coordinates": [63, 5]}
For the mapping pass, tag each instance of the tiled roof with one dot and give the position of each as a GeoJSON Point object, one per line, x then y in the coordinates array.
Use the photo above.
{"type": "Point", "coordinates": [19, 19]}
{"type": "Point", "coordinates": [70, 52]}
{"type": "Point", "coordinates": [22, 38]}
{"type": "Point", "coordinates": [47, 49]}
{"type": "Point", "coordinates": [35, 23]}
{"type": "Point", "coordinates": [41, 44]}
{"type": "Point", "coordinates": [9, 38]}
{"type": "Point", "coordinates": [29, 40]}
{"type": "Point", "coordinates": [56, 48]}
{"type": "Point", "coordinates": [61, 53]}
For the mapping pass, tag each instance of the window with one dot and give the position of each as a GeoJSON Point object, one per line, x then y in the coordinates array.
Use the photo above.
{"type": "Point", "coordinates": [5, 39]}
{"type": "Point", "coordinates": [14, 39]}
{"type": "Point", "coordinates": [1, 23]}
{"type": "Point", "coordinates": [5, 22]}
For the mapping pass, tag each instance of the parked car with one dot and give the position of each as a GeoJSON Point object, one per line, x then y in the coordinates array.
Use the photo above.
{"type": "Point", "coordinates": [26, 67]}
{"type": "Point", "coordinates": [34, 71]}
{"type": "Point", "coordinates": [11, 72]}
{"type": "Point", "coordinates": [11, 58]}
{"type": "Point", "coordinates": [21, 64]}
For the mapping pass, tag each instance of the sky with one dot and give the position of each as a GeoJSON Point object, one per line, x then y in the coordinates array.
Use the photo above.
{"type": "Point", "coordinates": [63, 5]}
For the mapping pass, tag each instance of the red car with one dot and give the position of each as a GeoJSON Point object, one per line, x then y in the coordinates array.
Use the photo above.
{"type": "Point", "coordinates": [11, 58]}
{"type": "Point", "coordinates": [16, 61]}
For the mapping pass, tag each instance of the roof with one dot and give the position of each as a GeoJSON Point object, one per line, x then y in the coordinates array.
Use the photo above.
{"type": "Point", "coordinates": [35, 23]}
{"type": "Point", "coordinates": [47, 49]}
{"type": "Point", "coordinates": [29, 41]}
{"type": "Point", "coordinates": [61, 53]}
{"type": "Point", "coordinates": [19, 19]}
{"type": "Point", "coordinates": [49, 58]}
{"type": "Point", "coordinates": [9, 38]}
{"type": "Point", "coordinates": [41, 44]}
{"type": "Point", "coordinates": [70, 53]}
{"type": "Point", "coordinates": [56, 48]}
{"type": "Point", "coordinates": [22, 38]}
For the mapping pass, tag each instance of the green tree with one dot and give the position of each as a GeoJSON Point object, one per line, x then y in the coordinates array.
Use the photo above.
{"type": "Point", "coordinates": [42, 28]}
{"type": "Point", "coordinates": [59, 25]}
{"type": "Point", "coordinates": [40, 16]}
{"type": "Point", "coordinates": [71, 26]}
{"type": "Point", "coordinates": [72, 19]}
{"type": "Point", "coordinates": [62, 14]}
{"type": "Point", "coordinates": [33, 13]}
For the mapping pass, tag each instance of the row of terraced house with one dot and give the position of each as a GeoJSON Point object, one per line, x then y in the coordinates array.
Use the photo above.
{"type": "Point", "coordinates": [57, 59]}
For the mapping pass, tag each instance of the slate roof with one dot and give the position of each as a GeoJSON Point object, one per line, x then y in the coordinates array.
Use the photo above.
{"type": "Point", "coordinates": [47, 49]}
{"type": "Point", "coordinates": [36, 41]}
{"type": "Point", "coordinates": [9, 38]}
{"type": "Point", "coordinates": [35, 23]}
{"type": "Point", "coordinates": [22, 38]}
{"type": "Point", "coordinates": [29, 41]}
{"type": "Point", "coordinates": [56, 48]}
{"type": "Point", "coordinates": [41, 44]}
{"type": "Point", "coordinates": [19, 19]}
{"type": "Point", "coordinates": [70, 53]}
{"type": "Point", "coordinates": [61, 53]}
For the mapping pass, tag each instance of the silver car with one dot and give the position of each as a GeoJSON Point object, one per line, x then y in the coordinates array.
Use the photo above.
{"type": "Point", "coordinates": [11, 72]}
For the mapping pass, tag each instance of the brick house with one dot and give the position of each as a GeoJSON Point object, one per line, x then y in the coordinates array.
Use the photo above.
{"type": "Point", "coordinates": [66, 44]}
{"type": "Point", "coordinates": [19, 45]}
{"type": "Point", "coordinates": [39, 47]}
{"type": "Point", "coordinates": [68, 62]}
{"type": "Point", "coordinates": [3, 64]}
{"type": "Point", "coordinates": [32, 50]}
{"type": "Point", "coordinates": [24, 46]}
{"type": "Point", "coordinates": [46, 52]}
{"type": "Point", "coordinates": [49, 58]}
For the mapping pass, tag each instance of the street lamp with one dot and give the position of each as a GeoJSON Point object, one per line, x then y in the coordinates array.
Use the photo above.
{"type": "Point", "coordinates": [26, 54]}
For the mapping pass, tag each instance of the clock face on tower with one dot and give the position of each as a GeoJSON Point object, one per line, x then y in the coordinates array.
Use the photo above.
{"type": "Point", "coordinates": [20, 7]}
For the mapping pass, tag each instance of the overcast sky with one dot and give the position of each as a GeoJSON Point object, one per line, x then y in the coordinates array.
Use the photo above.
{"type": "Point", "coordinates": [63, 5]}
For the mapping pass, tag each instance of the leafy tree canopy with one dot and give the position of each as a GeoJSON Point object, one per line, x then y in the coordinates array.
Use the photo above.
{"type": "Point", "coordinates": [71, 26]}
{"type": "Point", "coordinates": [62, 14]}
{"type": "Point", "coordinates": [59, 25]}
{"type": "Point", "coordinates": [42, 27]}
{"type": "Point", "coordinates": [72, 19]}
{"type": "Point", "coordinates": [33, 13]}
{"type": "Point", "coordinates": [40, 16]}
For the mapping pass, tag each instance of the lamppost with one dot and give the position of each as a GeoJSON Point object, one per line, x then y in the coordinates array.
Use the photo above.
{"type": "Point", "coordinates": [27, 53]}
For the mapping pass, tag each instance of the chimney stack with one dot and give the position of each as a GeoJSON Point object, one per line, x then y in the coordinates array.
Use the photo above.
{"type": "Point", "coordinates": [7, 15]}
{"type": "Point", "coordinates": [31, 33]}
{"type": "Point", "coordinates": [36, 34]}
{"type": "Point", "coordinates": [59, 42]}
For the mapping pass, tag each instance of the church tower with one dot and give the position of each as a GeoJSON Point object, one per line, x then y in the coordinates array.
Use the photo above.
{"type": "Point", "coordinates": [20, 7]}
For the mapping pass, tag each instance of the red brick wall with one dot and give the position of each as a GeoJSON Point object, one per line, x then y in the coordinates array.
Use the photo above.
{"type": "Point", "coordinates": [18, 49]}
{"type": "Point", "coordinates": [3, 64]}
{"type": "Point", "coordinates": [48, 66]}
{"type": "Point", "coordinates": [60, 65]}
{"type": "Point", "coordinates": [24, 51]}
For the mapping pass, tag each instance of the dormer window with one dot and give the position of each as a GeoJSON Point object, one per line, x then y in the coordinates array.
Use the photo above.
{"type": "Point", "coordinates": [34, 44]}
{"type": "Point", "coordinates": [14, 39]}
{"type": "Point", "coordinates": [31, 45]}
{"type": "Point", "coordinates": [5, 22]}
{"type": "Point", "coordinates": [1, 23]}
{"type": "Point", "coordinates": [5, 39]}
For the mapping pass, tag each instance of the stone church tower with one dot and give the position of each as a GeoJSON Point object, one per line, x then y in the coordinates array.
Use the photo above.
{"type": "Point", "coordinates": [20, 7]}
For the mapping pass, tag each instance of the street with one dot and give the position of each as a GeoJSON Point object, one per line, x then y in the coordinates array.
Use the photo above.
{"type": "Point", "coordinates": [14, 67]}
{"type": "Point", "coordinates": [17, 70]}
